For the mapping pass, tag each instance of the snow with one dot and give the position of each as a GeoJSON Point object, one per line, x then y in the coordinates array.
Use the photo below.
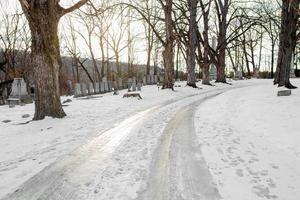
{"type": "Point", "coordinates": [27, 148]}
{"type": "Point", "coordinates": [250, 140]}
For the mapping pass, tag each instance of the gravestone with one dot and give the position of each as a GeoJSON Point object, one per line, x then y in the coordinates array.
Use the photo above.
{"type": "Point", "coordinates": [284, 93]}
{"type": "Point", "coordinates": [161, 78]}
{"type": "Point", "coordinates": [97, 88]}
{"type": "Point", "coordinates": [70, 91]}
{"type": "Point", "coordinates": [18, 93]}
{"type": "Point", "coordinates": [104, 80]}
{"type": "Point", "coordinates": [90, 88]}
{"type": "Point", "coordinates": [152, 79]}
{"type": "Point", "coordinates": [212, 72]}
{"type": "Point", "coordinates": [120, 83]}
{"type": "Point", "coordinates": [115, 86]}
{"type": "Point", "coordinates": [129, 84]}
{"type": "Point", "coordinates": [134, 84]}
{"type": "Point", "coordinates": [257, 73]}
{"type": "Point", "coordinates": [155, 79]}
{"type": "Point", "coordinates": [109, 85]}
{"type": "Point", "coordinates": [139, 87]}
{"type": "Point", "coordinates": [84, 91]}
{"type": "Point", "coordinates": [144, 80]}
{"type": "Point", "coordinates": [102, 87]}
{"type": "Point", "coordinates": [77, 90]}
{"type": "Point", "coordinates": [19, 89]}
{"type": "Point", "coordinates": [292, 70]}
{"type": "Point", "coordinates": [239, 75]}
{"type": "Point", "coordinates": [149, 80]}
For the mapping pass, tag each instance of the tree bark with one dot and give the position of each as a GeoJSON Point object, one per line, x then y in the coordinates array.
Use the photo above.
{"type": "Point", "coordinates": [272, 59]}
{"type": "Point", "coordinates": [222, 43]}
{"type": "Point", "coordinates": [168, 52]}
{"type": "Point", "coordinates": [43, 18]}
{"type": "Point", "coordinates": [191, 50]}
{"type": "Point", "coordinates": [289, 19]}
{"type": "Point", "coordinates": [46, 62]}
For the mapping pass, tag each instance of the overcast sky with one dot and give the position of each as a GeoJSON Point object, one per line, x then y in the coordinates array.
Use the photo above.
{"type": "Point", "coordinates": [139, 45]}
{"type": "Point", "coordinates": [140, 54]}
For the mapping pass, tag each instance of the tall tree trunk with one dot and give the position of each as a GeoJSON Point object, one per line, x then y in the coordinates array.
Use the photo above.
{"type": "Point", "coordinates": [272, 59]}
{"type": "Point", "coordinates": [221, 78]}
{"type": "Point", "coordinates": [252, 57]}
{"type": "Point", "coordinates": [46, 62]}
{"type": "Point", "coordinates": [222, 42]}
{"type": "Point", "coordinates": [289, 19]}
{"type": "Point", "coordinates": [168, 52]}
{"type": "Point", "coordinates": [177, 62]}
{"type": "Point", "coordinates": [43, 17]}
{"type": "Point", "coordinates": [206, 62]}
{"type": "Point", "coordinates": [246, 56]}
{"type": "Point", "coordinates": [191, 50]}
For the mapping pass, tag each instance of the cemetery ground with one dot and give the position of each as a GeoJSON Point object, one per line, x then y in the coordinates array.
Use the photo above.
{"type": "Point", "coordinates": [228, 142]}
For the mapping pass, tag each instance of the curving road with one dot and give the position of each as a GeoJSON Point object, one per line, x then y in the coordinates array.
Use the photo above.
{"type": "Point", "coordinates": [176, 169]}
{"type": "Point", "coordinates": [179, 170]}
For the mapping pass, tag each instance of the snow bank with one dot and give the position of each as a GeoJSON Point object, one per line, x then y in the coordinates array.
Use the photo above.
{"type": "Point", "coordinates": [250, 140]}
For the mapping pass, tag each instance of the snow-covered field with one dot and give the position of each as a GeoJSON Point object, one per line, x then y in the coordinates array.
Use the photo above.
{"type": "Point", "coordinates": [250, 140]}
{"type": "Point", "coordinates": [248, 137]}
{"type": "Point", "coordinates": [27, 148]}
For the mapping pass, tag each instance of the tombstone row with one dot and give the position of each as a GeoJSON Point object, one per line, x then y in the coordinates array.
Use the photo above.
{"type": "Point", "coordinates": [85, 89]}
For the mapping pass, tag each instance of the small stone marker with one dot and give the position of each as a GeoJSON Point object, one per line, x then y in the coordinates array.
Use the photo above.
{"type": "Point", "coordinates": [155, 79]}
{"type": "Point", "coordinates": [129, 84]}
{"type": "Point", "coordinates": [90, 88]}
{"type": "Point", "coordinates": [97, 88]}
{"type": "Point", "coordinates": [120, 83]}
{"type": "Point", "coordinates": [148, 79]}
{"type": "Point", "coordinates": [212, 72]}
{"type": "Point", "coordinates": [127, 95]}
{"type": "Point", "coordinates": [84, 89]}
{"type": "Point", "coordinates": [25, 116]}
{"type": "Point", "coordinates": [152, 81]}
{"type": "Point", "coordinates": [134, 84]}
{"type": "Point", "coordinates": [239, 75]}
{"type": "Point", "coordinates": [109, 84]}
{"type": "Point", "coordinates": [102, 87]}
{"type": "Point", "coordinates": [70, 91]}
{"type": "Point", "coordinates": [67, 101]}
{"type": "Point", "coordinates": [139, 87]}
{"type": "Point", "coordinates": [284, 93]}
{"type": "Point", "coordinates": [104, 80]}
{"type": "Point", "coordinates": [77, 90]}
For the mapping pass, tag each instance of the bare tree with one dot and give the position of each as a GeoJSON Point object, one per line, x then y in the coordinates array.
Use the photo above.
{"type": "Point", "coordinates": [288, 40]}
{"type": "Point", "coordinates": [191, 50]}
{"type": "Point", "coordinates": [43, 17]}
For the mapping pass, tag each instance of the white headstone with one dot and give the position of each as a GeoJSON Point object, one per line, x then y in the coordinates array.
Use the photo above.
{"type": "Point", "coordinates": [129, 84]}
{"type": "Point", "coordinates": [239, 75]}
{"type": "Point", "coordinates": [84, 89]}
{"type": "Point", "coordinates": [102, 87]}
{"type": "Point", "coordinates": [97, 88]}
{"type": "Point", "coordinates": [19, 89]}
{"type": "Point", "coordinates": [212, 72]}
{"type": "Point", "coordinates": [292, 70]}
{"type": "Point", "coordinates": [120, 83]}
{"type": "Point", "coordinates": [134, 84]}
{"type": "Point", "coordinates": [77, 90]}
{"type": "Point", "coordinates": [90, 88]}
